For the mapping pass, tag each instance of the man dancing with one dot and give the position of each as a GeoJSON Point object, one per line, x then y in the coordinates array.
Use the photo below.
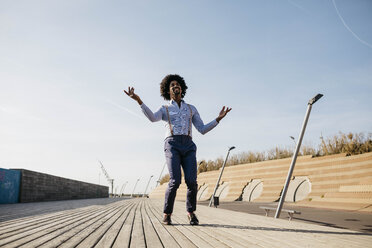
{"type": "Point", "coordinates": [179, 148]}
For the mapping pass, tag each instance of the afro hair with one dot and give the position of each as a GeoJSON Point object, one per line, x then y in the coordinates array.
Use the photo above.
{"type": "Point", "coordinates": [164, 85]}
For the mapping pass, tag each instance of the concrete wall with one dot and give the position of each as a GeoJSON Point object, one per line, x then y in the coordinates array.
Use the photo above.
{"type": "Point", "coordinates": [334, 182]}
{"type": "Point", "coordinates": [36, 187]}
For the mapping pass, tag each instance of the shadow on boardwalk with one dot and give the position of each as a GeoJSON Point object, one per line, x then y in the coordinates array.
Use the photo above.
{"type": "Point", "coordinates": [349, 220]}
{"type": "Point", "coordinates": [283, 229]}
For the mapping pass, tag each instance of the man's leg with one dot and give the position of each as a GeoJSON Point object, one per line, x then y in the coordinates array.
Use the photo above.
{"type": "Point", "coordinates": [173, 160]}
{"type": "Point", "coordinates": [190, 171]}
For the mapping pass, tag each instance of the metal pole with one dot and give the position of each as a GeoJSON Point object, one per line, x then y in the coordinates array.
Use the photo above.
{"type": "Point", "coordinates": [123, 187]}
{"type": "Point", "coordinates": [112, 186]}
{"type": "Point", "coordinates": [161, 173]}
{"type": "Point", "coordinates": [126, 183]}
{"type": "Point", "coordinates": [134, 188]}
{"type": "Point", "coordinates": [146, 187]}
{"type": "Point", "coordinates": [294, 158]}
{"type": "Point", "coordinates": [219, 178]}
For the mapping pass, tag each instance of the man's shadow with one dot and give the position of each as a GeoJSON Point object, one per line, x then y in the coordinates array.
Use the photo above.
{"type": "Point", "coordinates": [276, 229]}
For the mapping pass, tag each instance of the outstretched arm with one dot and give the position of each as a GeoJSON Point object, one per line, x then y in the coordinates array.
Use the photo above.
{"type": "Point", "coordinates": [199, 124]}
{"type": "Point", "coordinates": [132, 95]}
{"type": "Point", "coordinates": [223, 113]}
{"type": "Point", "coordinates": [148, 113]}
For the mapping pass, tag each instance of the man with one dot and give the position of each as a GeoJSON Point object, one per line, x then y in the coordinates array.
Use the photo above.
{"type": "Point", "coordinates": [179, 148]}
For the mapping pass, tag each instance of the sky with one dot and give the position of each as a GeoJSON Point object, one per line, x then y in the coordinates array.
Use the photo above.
{"type": "Point", "coordinates": [64, 66]}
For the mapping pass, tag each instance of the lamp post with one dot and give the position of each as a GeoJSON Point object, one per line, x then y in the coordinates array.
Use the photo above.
{"type": "Point", "coordinates": [134, 188]}
{"type": "Point", "coordinates": [161, 173]}
{"type": "Point", "coordinates": [293, 140]}
{"type": "Point", "coordinates": [219, 178]}
{"type": "Point", "coordinates": [294, 158]}
{"type": "Point", "coordinates": [123, 187]}
{"type": "Point", "coordinates": [146, 187]}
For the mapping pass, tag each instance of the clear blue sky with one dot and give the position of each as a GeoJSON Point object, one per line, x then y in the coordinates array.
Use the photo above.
{"type": "Point", "coordinates": [64, 64]}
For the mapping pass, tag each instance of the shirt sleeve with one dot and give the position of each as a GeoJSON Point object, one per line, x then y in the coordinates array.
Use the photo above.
{"type": "Point", "coordinates": [199, 124]}
{"type": "Point", "coordinates": [157, 116]}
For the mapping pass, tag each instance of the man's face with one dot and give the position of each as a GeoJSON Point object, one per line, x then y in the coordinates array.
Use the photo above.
{"type": "Point", "coordinates": [175, 89]}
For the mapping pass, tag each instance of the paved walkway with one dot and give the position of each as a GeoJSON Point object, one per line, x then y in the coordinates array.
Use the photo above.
{"type": "Point", "coordinates": [136, 223]}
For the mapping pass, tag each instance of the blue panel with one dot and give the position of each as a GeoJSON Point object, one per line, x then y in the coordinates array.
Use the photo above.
{"type": "Point", "coordinates": [9, 186]}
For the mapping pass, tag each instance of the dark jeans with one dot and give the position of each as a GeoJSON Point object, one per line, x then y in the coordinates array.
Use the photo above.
{"type": "Point", "coordinates": [180, 150]}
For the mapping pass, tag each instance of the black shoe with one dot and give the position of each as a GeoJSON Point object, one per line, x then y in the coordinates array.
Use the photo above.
{"type": "Point", "coordinates": [193, 220]}
{"type": "Point", "coordinates": [167, 219]}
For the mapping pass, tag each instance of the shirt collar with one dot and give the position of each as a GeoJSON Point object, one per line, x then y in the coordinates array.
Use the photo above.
{"type": "Point", "coordinates": [173, 102]}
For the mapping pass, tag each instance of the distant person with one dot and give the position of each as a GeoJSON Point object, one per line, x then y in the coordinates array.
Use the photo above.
{"type": "Point", "coordinates": [179, 148]}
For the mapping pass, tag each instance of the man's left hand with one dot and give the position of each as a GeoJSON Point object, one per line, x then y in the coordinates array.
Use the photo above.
{"type": "Point", "coordinates": [223, 113]}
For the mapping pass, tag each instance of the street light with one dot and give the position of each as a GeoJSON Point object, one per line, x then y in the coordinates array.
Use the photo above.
{"type": "Point", "coordinates": [219, 178]}
{"type": "Point", "coordinates": [161, 173]}
{"type": "Point", "coordinates": [134, 188]}
{"type": "Point", "coordinates": [147, 187]}
{"type": "Point", "coordinates": [298, 145]}
{"type": "Point", "coordinates": [293, 139]}
{"type": "Point", "coordinates": [123, 187]}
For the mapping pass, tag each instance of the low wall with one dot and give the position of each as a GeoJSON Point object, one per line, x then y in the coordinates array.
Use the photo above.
{"type": "Point", "coordinates": [36, 187]}
{"type": "Point", "coordinates": [334, 182]}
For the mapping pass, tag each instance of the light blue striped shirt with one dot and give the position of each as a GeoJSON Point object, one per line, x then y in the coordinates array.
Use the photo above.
{"type": "Point", "coordinates": [179, 118]}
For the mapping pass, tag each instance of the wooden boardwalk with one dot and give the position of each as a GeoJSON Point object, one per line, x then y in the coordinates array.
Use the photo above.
{"type": "Point", "coordinates": [137, 223]}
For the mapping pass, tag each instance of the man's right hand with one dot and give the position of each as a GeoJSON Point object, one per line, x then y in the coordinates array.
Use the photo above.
{"type": "Point", "coordinates": [132, 95]}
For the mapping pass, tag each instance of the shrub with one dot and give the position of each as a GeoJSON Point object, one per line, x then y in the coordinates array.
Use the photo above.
{"type": "Point", "coordinates": [350, 143]}
{"type": "Point", "coordinates": [164, 179]}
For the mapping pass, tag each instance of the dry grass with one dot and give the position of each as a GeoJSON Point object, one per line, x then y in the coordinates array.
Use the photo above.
{"type": "Point", "coordinates": [164, 179]}
{"type": "Point", "coordinates": [350, 143]}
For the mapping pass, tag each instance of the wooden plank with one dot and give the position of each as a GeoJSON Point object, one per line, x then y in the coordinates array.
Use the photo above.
{"type": "Point", "coordinates": [38, 224]}
{"type": "Point", "coordinates": [81, 235]}
{"type": "Point", "coordinates": [47, 213]}
{"type": "Point", "coordinates": [109, 238]}
{"type": "Point", "coordinates": [152, 238]}
{"type": "Point", "coordinates": [22, 224]}
{"type": "Point", "coordinates": [254, 233]}
{"type": "Point", "coordinates": [167, 234]}
{"type": "Point", "coordinates": [73, 230]}
{"type": "Point", "coordinates": [227, 225]}
{"type": "Point", "coordinates": [93, 238]}
{"type": "Point", "coordinates": [264, 231]}
{"type": "Point", "coordinates": [201, 239]}
{"type": "Point", "coordinates": [227, 237]}
{"type": "Point", "coordinates": [195, 239]}
{"type": "Point", "coordinates": [22, 237]}
{"type": "Point", "coordinates": [138, 237]}
{"type": "Point", "coordinates": [123, 238]}
{"type": "Point", "coordinates": [63, 232]}
{"type": "Point", "coordinates": [223, 236]}
{"type": "Point", "coordinates": [137, 223]}
{"type": "Point", "coordinates": [13, 212]}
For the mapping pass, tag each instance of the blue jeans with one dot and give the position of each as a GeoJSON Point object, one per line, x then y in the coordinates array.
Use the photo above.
{"type": "Point", "coordinates": [180, 150]}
